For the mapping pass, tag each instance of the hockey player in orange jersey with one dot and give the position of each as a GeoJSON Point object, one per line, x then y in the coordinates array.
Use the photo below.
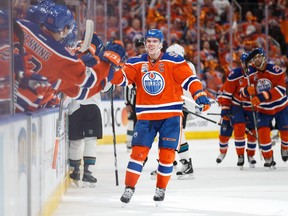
{"type": "Point", "coordinates": [187, 171]}
{"type": "Point", "coordinates": [158, 77]}
{"type": "Point", "coordinates": [268, 91]}
{"type": "Point", "coordinates": [78, 78]}
{"type": "Point", "coordinates": [237, 109]}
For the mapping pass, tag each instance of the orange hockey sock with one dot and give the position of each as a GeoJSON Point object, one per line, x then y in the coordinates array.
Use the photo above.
{"type": "Point", "coordinates": [239, 137]}
{"type": "Point", "coordinates": [265, 142]}
{"type": "Point", "coordinates": [165, 167]}
{"type": "Point", "coordinates": [284, 139]}
{"type": "Point", "coordinates": [135, 165]}
{"type": "Point", "coordinates": [251, 143]}
{"type": "Point", "coordinates": [223, 143]}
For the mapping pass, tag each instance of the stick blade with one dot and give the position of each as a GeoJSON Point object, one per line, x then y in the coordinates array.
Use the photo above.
{"type": "Point", "coordinates": [88, 35]}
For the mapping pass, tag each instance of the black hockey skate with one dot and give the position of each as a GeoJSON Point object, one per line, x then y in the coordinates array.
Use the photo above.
{"type": "Point", "coordinates": [88, 179]}
{"type": "Point", "coordinates": [159, 196]}
{"type": "Point", "coordinates": [240, 162]}
{"type": "Point", "coordinates": [251, 161]}
{"type": "Point", "coordinates": [220, 157]}
{"type": "Point", "coordinates": [270, 163]}
{"type": "Point", "coordinates": [127, 195]}
{"type": "Point", "coordinates": [75, 176]}
{"type": "Point", "coordinates": [186, 171]}
{"type": "Point", "coordinates": [284, 155]}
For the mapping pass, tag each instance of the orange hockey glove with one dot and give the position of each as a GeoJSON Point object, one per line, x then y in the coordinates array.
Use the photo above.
{"type": "Point", "coordinates": [259, 98]}
{"type": "Point", "coordinates": [248, 91]}
{"type": "Point", "coordinates": [251, 90]}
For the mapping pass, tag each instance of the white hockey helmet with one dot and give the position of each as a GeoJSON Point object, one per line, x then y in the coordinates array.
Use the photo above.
{"type": "Point", "coordinates": [176, 48]}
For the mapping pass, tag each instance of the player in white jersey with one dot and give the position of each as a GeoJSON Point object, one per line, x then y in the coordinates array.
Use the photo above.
{"type": "Point", "coordinates": [85, 127]}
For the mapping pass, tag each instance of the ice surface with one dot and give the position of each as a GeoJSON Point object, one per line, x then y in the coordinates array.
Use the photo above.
{"type": "Point", "coordinates": [217, 189]}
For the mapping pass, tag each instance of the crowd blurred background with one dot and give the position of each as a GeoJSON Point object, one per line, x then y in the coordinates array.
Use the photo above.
{"type": "Point", "coordinates": [213, 32]}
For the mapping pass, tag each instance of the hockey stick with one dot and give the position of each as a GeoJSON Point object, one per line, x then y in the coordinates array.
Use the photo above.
{"type": "Point", "coordinates": [114, 137]}
{"type": "Point", "coordinates": [245, 69]}
{"type": "Point", "coordinates": [88, 36]}
{"type": "Point", "coordinates": [207, 119]}
{"type": "Point", "coordinates": [58, 132]}
{"type": "Point", "coordinates": [190, 100]}
{"type": "Point", "coordinates": [228, 115]}
{"type": "Point", "coordinates": [210, 120]}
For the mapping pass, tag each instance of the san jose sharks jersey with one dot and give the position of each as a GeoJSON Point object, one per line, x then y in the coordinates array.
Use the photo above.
{"type": "Point", "coordinates": [159, 84]}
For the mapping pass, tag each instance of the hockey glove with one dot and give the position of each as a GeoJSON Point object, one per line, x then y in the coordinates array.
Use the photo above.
{"type": "Point", "coordinates": [114, 53]}
{"type": "Point", "coordinates": [98, 44]}
{"type": "Point", "coordinates": [226, 112]}
{"type": "Point", "coordinates": [36, 83]}
{"type": "Point", "coordinates": [259, 98]}
{"type": "Point", "coordinates": [20, 65]}
{"type": "Point", "coordinates": [89, 60]}
{"type": "Point", "coordinates": [54, 102]}
{"type": "Point", "coordinates": [249, 91]}
{"type": "Point", "coordinates": [201, 99]}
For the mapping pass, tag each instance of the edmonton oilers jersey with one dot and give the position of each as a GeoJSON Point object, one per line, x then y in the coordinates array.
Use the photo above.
{"type": "Point", "coordinates": [272, 80]}
{"type": "Point", "coordinates": [64, 71]}
{"type": "Point", "coordinates": [159, 84]}
{"type": "Point", "coordinates": [232, 88]}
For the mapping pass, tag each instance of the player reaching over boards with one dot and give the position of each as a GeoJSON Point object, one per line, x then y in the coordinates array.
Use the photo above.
{"type": "Point", "coordinates": [78, 76]}
{"type": "Point", "coordinates": [158, 77]}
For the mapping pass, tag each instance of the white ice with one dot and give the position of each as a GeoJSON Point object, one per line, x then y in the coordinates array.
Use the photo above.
{"type": "Point", "coordinates": [217, 189]}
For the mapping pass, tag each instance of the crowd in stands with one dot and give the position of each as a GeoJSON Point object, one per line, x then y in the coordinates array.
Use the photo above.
{"type": "Point", "coordinates": [216, 54]}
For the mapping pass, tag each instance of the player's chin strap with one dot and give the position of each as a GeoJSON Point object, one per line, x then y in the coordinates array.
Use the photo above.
{"type": "Point", "coordinates": [160, 47]}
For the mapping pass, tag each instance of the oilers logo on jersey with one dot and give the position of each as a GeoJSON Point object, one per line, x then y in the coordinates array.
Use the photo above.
{"type": "Point", "coordinates": [153, 83]}
{"type": "Point", "coordinates": [263, 85]}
